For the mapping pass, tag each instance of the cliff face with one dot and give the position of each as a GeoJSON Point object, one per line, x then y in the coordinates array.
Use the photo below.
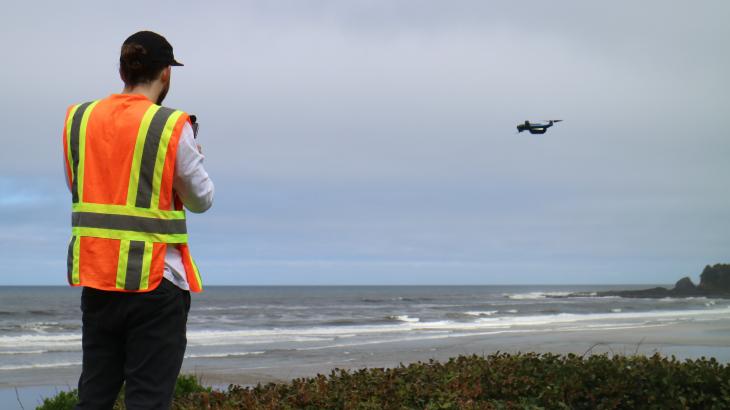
{"type": "Point", "coordinates": [714, 282]}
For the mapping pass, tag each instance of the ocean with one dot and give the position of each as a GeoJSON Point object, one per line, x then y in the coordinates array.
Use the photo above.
{"type": "Point", "coordinates": [247, 329]}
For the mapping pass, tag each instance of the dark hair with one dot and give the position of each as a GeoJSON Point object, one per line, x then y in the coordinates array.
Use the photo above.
{"type": "Point", "coordinates": [135, 67]}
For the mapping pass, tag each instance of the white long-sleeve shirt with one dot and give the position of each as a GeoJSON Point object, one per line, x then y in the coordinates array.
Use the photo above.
{"type": "Point", "coordinates": [194, 187]}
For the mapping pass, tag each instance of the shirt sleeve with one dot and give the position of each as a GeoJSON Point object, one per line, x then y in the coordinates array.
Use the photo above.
{"type": "Point", "coordinates": [191, 182]}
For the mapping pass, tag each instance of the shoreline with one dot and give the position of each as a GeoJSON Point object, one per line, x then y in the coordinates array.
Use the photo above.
{"type": "Point", "coordinates": [685, 340]}
{"type": "Point", "coordinates": [690, 340]}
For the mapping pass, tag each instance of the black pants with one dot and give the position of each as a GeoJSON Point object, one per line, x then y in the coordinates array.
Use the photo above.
{"type": "Point", "coordinates": [137, 338]}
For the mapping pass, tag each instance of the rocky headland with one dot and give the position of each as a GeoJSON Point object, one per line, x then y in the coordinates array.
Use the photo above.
{"type": "Point", "coordinates": [714, 282]}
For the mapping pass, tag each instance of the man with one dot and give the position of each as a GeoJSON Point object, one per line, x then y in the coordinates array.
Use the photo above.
{"type": "Point", "coordinates": [131, 165]}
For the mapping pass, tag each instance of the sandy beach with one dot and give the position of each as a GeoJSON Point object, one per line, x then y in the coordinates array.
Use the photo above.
{"type": "Point", "coordinates": [690, 340]}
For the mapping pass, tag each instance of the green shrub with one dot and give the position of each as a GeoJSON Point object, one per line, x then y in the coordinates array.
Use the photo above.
{"type": "Point", "coordinates": [498, 381]}
{"type": "Point", "coordinates": [64, 400]}
{"type": "Point", "coordinates": [185, 384]}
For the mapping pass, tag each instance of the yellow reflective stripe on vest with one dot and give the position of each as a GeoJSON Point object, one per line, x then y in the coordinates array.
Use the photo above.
{"type": "Point", "coordinates": [122, 264]}
{"type": "Point", "coordinates": [77, 146]}
{"type": "Point", "coordinates": [137, 157]}
{"type": "Point", "coordinates": [72, 261]}
{"type": "Point", "coordinates": [159, 165]}
{"type": "Point", "coordinates": [129, 223]}
{"type": "Point", "coordinates": [197, 273]}
{"type": "Point", "coordinates": [82, 149]}
{"type": "Point", "coordinates": [135, 264]}
{"type": "Point", "coordinates": [127, 210]}
{"type": "Point", "coordinates": [156, 135]}
{"type": "Point", "coordinates": [130, 235]}
{"type": "Point", "coordinates": [69, 153]}
{"type": "Point", "coordinates": [133, 268]}
{"type": "Point", "coordinates": [146, 266]}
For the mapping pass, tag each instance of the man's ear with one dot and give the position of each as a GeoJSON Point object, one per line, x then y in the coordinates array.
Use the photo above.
{"type": "Point", "coordinates": [165, 75]}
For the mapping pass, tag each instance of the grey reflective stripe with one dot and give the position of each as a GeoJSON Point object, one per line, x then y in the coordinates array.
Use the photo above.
{"type": "Point", "coordinates": [75, 130]}
{"type": "Point", "coordinates": [149, 157]}
{"type": "Point", "coordinates": [134, 265]}
{"type": "Point", "coordinates": [128, 223]}
{"type": "Point", "coordinates": [70, 260]}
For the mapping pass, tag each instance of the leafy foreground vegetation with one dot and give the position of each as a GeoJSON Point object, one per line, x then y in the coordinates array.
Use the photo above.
{"type": "Point", "coordinates": [498, 381]}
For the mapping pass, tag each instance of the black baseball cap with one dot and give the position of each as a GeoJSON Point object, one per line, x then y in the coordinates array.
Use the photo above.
{"type": "Point", "coordinates": [158, 48]}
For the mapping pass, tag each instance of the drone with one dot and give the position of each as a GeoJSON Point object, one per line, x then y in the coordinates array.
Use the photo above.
{"type": "Point", "coordinates": [536, 127]}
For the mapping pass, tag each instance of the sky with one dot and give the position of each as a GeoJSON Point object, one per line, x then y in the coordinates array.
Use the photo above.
{"type": "Point", "coordinates": [374, 142]}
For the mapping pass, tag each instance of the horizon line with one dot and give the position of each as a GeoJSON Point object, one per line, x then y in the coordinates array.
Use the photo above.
{"type": "Point", "coordinates": [382, 285]}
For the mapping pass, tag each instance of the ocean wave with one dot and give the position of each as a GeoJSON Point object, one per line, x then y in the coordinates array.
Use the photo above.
{"type": "Point", "coordinates": [256, 336]}
{"type": "Point", "coordinates": [659, 315]}
{"type": "Point", "coordinates": [42, 312]}
{"type": "Point", "coordinates": [39, 365]}
{"type": "Point", "coordinates": [397, 299]}
{"type": "Point", "coordinates": [537, 295]}
{"type": "Point", "coordinates": [36, 340]}
{"type": "Point", "coordinates": [46, 327]}
{"type": "Point", "coordinates": [218, 308]}
{"type": "Point", "coordinates": [681, 299]}
{"type": "Point", "coordinates": [221, 355]}
{"type": "Point", "coordinates": [553, 295]}
{"type": "Point", "coordinates": [399, 324]}
{"type": "Point", "coordinates": [255, 307]}
{"type": "Point", "coordinates": [18, 352]}
{"type": "Point", "coordinates": [378, 341]}
{"type": "Point", "coordinates": [481, 312]}
{"type": "Point", "coordinates": [321, 333]}
{"type": "Point", "coordinates": [404, 318]}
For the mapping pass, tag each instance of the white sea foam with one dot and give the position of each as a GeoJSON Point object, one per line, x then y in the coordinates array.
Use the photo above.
{"type": "Point", "coordinates": [536, 295]}
{"type": "Point", "coordinates": [17, 352]}
{"type": "Point", "coordinates": [540, 320]}
{"type": "Point", "coordinates": [257, 307]}
{"type": "Point", "coordinates": [616, 310]}
{"type": "Point", "coordinates": [221, 355]}
{"type": "Point", "coordinates": [39, 365]}
{"type": "Point", "coordinates": [255, 336]}
{"type": "Point", "coordinates": [681, 299]}
{"type": "Point", "coordinates": [481, 312]}
{"type": "Point", "coordinates": [405, 318]}
{"type": "Point", "coordinates": [330, 333]}
{"type": "Point", "coordinates": [217, 308]}
{"type": "Point", "coordinates": [36, 340]}
{"type": "Point", "coordinates": [30, 344]}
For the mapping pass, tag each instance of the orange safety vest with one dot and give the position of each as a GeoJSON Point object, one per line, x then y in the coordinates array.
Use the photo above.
{"type": "Point", "coordinates": [120, 159]}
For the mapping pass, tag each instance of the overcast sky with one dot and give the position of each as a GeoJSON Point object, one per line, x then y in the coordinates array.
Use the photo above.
{"type": "Point", "coordinates": [374, 142]}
